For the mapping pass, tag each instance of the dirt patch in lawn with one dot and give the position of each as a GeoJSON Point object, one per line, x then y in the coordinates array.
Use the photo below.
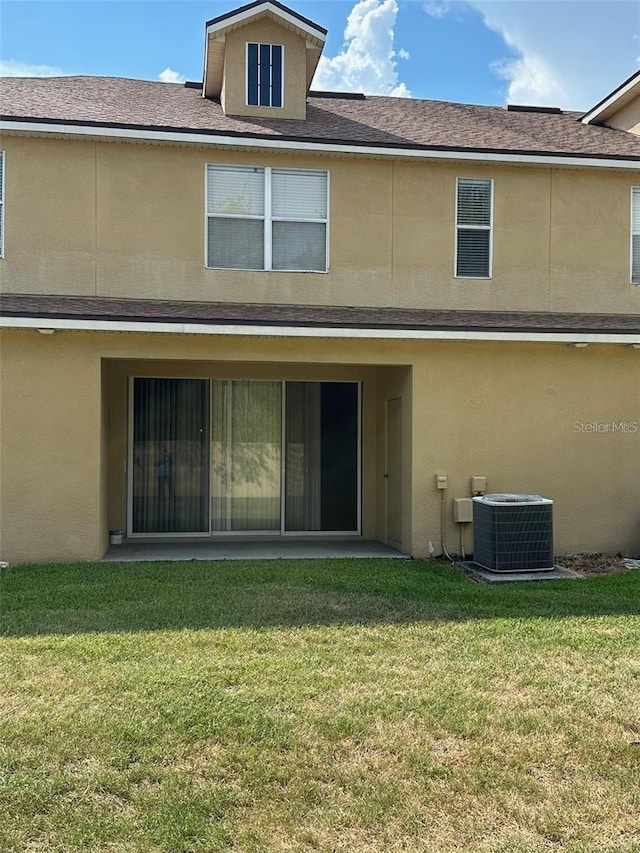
{"type": "Point", "coordinates": [597, 564]}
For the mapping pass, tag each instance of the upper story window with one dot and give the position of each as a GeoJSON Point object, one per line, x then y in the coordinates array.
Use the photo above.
{"type": "Point", "coordinates": [264, 75]}
{"type": "Point", "coordinates": [635, 235]}
{"type": "Point", "coordinates": [474, 226]}
{"type": "Point", "coordinates": [1, 204]}
{"type": "Point", "coordinates": [267, 219]}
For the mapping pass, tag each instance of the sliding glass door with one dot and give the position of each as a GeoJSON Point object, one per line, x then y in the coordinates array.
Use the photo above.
{"type": "Point", "coordinates": [234, 456]}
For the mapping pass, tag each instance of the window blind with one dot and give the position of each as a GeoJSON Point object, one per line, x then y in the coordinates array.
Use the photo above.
{"type": "Point", "coordinates": [299, 194]}
{"type": "Point", "coordinates": [244, 231]}
{"type": "Point", "coordinates": [473, 228]}
{"type": "Point", "coordinates": [1, 203]}
{"type": "Point", "coordinates": [235, 191]}
{"type": "Point", "coordinates": [299, 246]}
{"type": "Point", "coordinates": [635, 235]}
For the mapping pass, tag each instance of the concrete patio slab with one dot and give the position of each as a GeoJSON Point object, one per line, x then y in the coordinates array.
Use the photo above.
{"type": "Point", "coordinates": [137, 551]}
{"type": "Point", "coordinates": [559, 573]}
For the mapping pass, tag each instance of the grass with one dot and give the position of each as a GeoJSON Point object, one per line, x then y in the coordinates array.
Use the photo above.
{"type": "Point", "coordinates": [339, 705]}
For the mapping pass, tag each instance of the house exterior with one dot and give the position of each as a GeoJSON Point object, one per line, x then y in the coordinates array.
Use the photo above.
{"type": "Point", "coordinates": [242, 308]}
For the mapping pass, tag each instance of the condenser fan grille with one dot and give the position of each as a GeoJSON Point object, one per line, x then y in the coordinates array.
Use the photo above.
{"type": "Point", "coordinates": [513, 533]}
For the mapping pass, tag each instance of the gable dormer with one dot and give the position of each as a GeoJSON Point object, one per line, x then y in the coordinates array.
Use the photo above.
{"type": "Point", "coordinates": [260, 60]}
{"type": "Point", "coordinates": [619, 110]}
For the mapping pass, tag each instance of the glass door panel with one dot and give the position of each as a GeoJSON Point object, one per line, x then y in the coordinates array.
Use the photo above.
{"type": "Point", "coordinates": [246, 437]}
{"type": "Point", "coordinates": [321, 456]}
{"type": "Point", "coordinates": [170, 458]}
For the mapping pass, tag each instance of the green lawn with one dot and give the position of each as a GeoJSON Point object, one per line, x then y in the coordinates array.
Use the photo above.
{"type": "Point", "coordinates": [338, 705]}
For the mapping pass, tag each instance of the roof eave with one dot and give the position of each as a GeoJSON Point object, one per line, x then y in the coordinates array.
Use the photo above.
{"type": "Point", "coordinates": [217, 28]}
{"type": "Point", "coordinates": [231, 139]}
{"type": "Point", "coordinates": [251, 10]}
{"type": "Point", "coordinates": [243, 329]}
{"type": "Point", "coordinates": [613, 102]}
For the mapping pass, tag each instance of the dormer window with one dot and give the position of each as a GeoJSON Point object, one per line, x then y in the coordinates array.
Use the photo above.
{"type": "Point", "coordinates": [264, 75]}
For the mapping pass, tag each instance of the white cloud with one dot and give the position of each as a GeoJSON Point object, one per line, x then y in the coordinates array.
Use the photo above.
{"type": "Point", "coordinates": [437, 8]}
{"type": "Point", "coordinates": [15, 68]}
{"type": "Point", "coordinates": [170, 76]}
{"type": "Point", "coordinates": [568, 54]}
{"type": "Point", "coordinates": [531, 81]}
{"type": "Point", "coordinates": [366, 62]}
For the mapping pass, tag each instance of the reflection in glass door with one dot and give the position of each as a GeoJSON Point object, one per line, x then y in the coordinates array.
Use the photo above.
{"type": "Point", "coordinates": [170, 456]}
{"type": "Point", "coordinates": [246, 443]}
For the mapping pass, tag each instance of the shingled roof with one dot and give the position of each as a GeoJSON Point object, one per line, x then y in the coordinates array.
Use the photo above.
{"type": "Point", "coordinates": [374, 121]}
{"type": "Point", "coordinates": [310, 316]}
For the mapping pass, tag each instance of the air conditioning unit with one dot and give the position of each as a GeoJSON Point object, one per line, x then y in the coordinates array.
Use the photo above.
{"type": "Point", "coordinates": [513, 533]}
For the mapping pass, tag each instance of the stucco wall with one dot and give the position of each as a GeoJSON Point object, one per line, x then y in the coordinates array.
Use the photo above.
{"type": "Point", "coordinates": [51, 498]}
{"type": "Point", "coordinates": [627, 118]}
{"type": "Point", "coordinates": [127, 220]}
{"type": "Point", "coordinates": [524, 416]}
{"type": "Point", "coordinates": [520, 414]}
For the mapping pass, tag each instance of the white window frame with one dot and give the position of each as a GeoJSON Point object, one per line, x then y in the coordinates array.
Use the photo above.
{"type": "Point", "coordinates": [634, 275]}
{"type": "Point", "coordinates": [2, 183]}
{"type": "Point", "coordinates": [461, 227]}
{"type": "Point", "coordinates": [268, 219]}
{"type": "Point", "coordinates": [246, 77]}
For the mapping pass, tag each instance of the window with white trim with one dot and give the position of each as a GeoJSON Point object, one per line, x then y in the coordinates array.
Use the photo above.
{"type": "Point", "coordinates": [264, 75]}
{"type": "Point", "coordinates": [267, 219]}
{"type": "Point", "coordinates": [635, 235]}
{"type": "Point", "coordinates": [1, 204]}
{"type": "Point", "coordinates": [474, 227]}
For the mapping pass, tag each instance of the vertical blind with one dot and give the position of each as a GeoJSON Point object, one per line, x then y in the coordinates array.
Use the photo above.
{"type": "Point", "coordinates": [303, 496]}
{"type": "Point", "coordinates": [473, 228]}
{"type": "Point", "coordinates": [208, 455]}
{"type": "Point", "coordinates": [170, 448]}
{"type": "Point", "coordinates": [635, 235]}
{"type": "Point", "coordinates": [246, 455]}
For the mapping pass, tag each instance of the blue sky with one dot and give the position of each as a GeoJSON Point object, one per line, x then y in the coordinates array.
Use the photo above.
{"type": "Point", "coordinates": [567, 53]}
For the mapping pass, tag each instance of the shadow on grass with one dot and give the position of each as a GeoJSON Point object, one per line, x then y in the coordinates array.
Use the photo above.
{"type": "Point", "coordinates": [130, 597]}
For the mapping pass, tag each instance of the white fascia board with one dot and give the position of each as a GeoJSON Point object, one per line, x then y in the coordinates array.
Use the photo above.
{"type": "Point", "coordinates": [245, 330]}
{"type": "Point", "coordinates": [207, 139]}
{"type": "Point", "coordinates": [234, 20]}
{"type": "Point", "coordinates": [618, 95]}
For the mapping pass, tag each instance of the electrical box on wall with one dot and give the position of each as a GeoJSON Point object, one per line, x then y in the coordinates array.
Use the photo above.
{"type": "Point", "coordinates": [478, 485]}
{"type": "Point", "coordinates": [462, 510]}
{"type": "Point", "coordinates": [441, 481]}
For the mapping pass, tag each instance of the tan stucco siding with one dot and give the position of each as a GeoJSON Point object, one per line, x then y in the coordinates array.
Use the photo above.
{"type": "Point", "coordinates": [50, 217]}
{"type": "Point", "coordinates": [520, 414]}
{"type": "Point", "coordinates": [626, 118]}
{"type": "Point", "coordinates": [590, 243]}
{"type": "Point", "coordinates": [50, 462]}
{"type": "Point", "coordinates": [129, 221]}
